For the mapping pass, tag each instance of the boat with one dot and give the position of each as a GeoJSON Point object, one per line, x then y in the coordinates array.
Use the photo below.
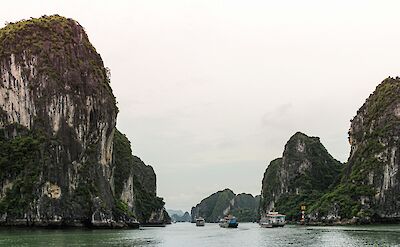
{"type": "Point", "coordinates": [273, 219]}
{"type": "Point", "coordinates": [229, 222]}
{"type": "Point", "coordinates": [200, 221]}
{"type": "Point", "coordinates": [133, 224]}
{"type": "Point", "coordinates": [153, 224]}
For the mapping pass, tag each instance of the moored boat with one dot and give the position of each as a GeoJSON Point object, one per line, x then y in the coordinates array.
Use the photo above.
{"type": "Point", "coordinates": [200, 221]}
{"type": "Point", "coordinates": [228, 222]}
{"type": "Point", "coordinates": [133, 224]}
{"type": "Point", "coordinates": [273, 219]}
{"type": "Point", "coordinates": [153, 224]}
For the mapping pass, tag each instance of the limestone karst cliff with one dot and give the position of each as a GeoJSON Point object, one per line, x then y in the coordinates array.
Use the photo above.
{"type": "Point", "coordinates": [303, 174]}
{"type": "Point", "coordinates": [367, 188]}
{"type": "Point", "coordinates": [216, 206]}
{"type": "Point", "coordinates": [370, 186]}
{"type": "Point", "coordinates": [57, 127]}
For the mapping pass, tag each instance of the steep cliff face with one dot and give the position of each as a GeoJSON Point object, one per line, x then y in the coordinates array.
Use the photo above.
{"type": "Point", "coordinates": [271, 185]}
{"type": "Point", "coordinates": [58, 108]}
{"type": "Point", "coordinates": [135, 185]}
{"type": "Point", "coordinates": [303, 174]}
{"type": "Point", "coordinates": [375, 156]}
{"type": "Point", "coordinates": [370, 185]}
{"type": "Point", "coordinates": [216, 206]}
{"type": "Point", "coordinates": [57, 123]}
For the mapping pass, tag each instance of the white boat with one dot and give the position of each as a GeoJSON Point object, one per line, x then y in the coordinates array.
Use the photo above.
{"type": "Point", "coordinates": [228, 222]}
{"type": "Point", "coordinates": [273, 219]}
{"type": "Point", "coordinates": [200, 221]}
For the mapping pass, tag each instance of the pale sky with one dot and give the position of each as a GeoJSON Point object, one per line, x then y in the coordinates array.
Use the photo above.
{"type": "Point", "coordinates": [210, 91]}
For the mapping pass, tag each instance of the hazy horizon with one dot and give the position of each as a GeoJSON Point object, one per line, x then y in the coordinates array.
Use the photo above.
{"type": "Point", "coordinates": [209, 92]}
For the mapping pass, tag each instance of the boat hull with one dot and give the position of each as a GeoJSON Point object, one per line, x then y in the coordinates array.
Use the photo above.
{"type": "Point", "coordinates": [229, 225]}
{"type": "Point", "coordinates": [153, 225]}
{"type": "Point", "coordinates": [271, 225]}
{"type": "Point", "coordinates": [134, 225]}
{"type": "Point", "coordinates": [272, 219]}
{"type": "Point", "coordinates": [228, 222]}
{"type": "Point", "coordinates": [200, 221]}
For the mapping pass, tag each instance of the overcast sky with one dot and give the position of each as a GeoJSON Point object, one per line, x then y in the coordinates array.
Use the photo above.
{"type": "Point", "coordinates": [210, 91]}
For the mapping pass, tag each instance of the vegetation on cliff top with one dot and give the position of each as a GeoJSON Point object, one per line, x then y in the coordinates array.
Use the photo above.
{"type": "Point", "coordinates": [381, 100]}
{"type": "Point", "coordinates": [60, 45]}
{"type": "Point", "coordinates": [27, 35]}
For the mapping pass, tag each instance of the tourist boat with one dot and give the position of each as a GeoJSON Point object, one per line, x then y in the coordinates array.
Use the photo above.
{"type": "Point", "coordinates": [228, 222]}
{"type": "Point", "coordinates": [200, 221]}
{"type": "Point", "coordinates": [273, 219]}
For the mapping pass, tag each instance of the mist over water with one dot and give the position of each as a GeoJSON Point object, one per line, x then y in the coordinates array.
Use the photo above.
{"type": "Point", "coordinates": [186, 234]}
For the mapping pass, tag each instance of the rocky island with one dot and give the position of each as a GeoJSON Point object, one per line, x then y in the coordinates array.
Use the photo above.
{"type": "Point", "coordinates": [62, 161]}
{"type": "Point", "coordinates": [304, 173]}
{"type": "Point", "coordinates": [216, 206]}
{"type": "Point", "coordinates": [363, 190]}
{"type": "Point", "coordinates": [370, 182]}
{"type": "Point", "coordinates": [181, 217]}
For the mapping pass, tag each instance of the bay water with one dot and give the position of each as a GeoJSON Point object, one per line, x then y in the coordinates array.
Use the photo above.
{"type": "Point", "coordinates": [187, 234]}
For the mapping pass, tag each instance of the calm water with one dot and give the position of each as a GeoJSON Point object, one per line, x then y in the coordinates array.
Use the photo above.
{"type": "Point", "coordinates": [186, 234]}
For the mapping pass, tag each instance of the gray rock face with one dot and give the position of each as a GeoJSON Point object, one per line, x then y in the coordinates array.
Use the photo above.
{"type": "Point", "coordinates": [272, 185]}
{"type": "Point", "coordinates": [374, 160]}
{"type": "Point", "coordinates": [57, 124]}
{"type": "Point", "coordinates": [369, 187]}
{"type": "Point", "coordinates": [56, 101]}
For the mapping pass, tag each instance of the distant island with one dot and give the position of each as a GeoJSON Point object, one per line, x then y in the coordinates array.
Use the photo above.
{"type": "Point", "coordinates": [216, 206]}
{"type": "Point", "coordinates": [179, 215]}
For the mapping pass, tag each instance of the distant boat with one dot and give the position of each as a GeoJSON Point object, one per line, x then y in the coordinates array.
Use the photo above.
{"type": "Point", "coordinates": [200, 221]}
{"type": "Point", "coordinates": [228, 222]}
{"type": "Point", "coordinates": [273, 219]}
